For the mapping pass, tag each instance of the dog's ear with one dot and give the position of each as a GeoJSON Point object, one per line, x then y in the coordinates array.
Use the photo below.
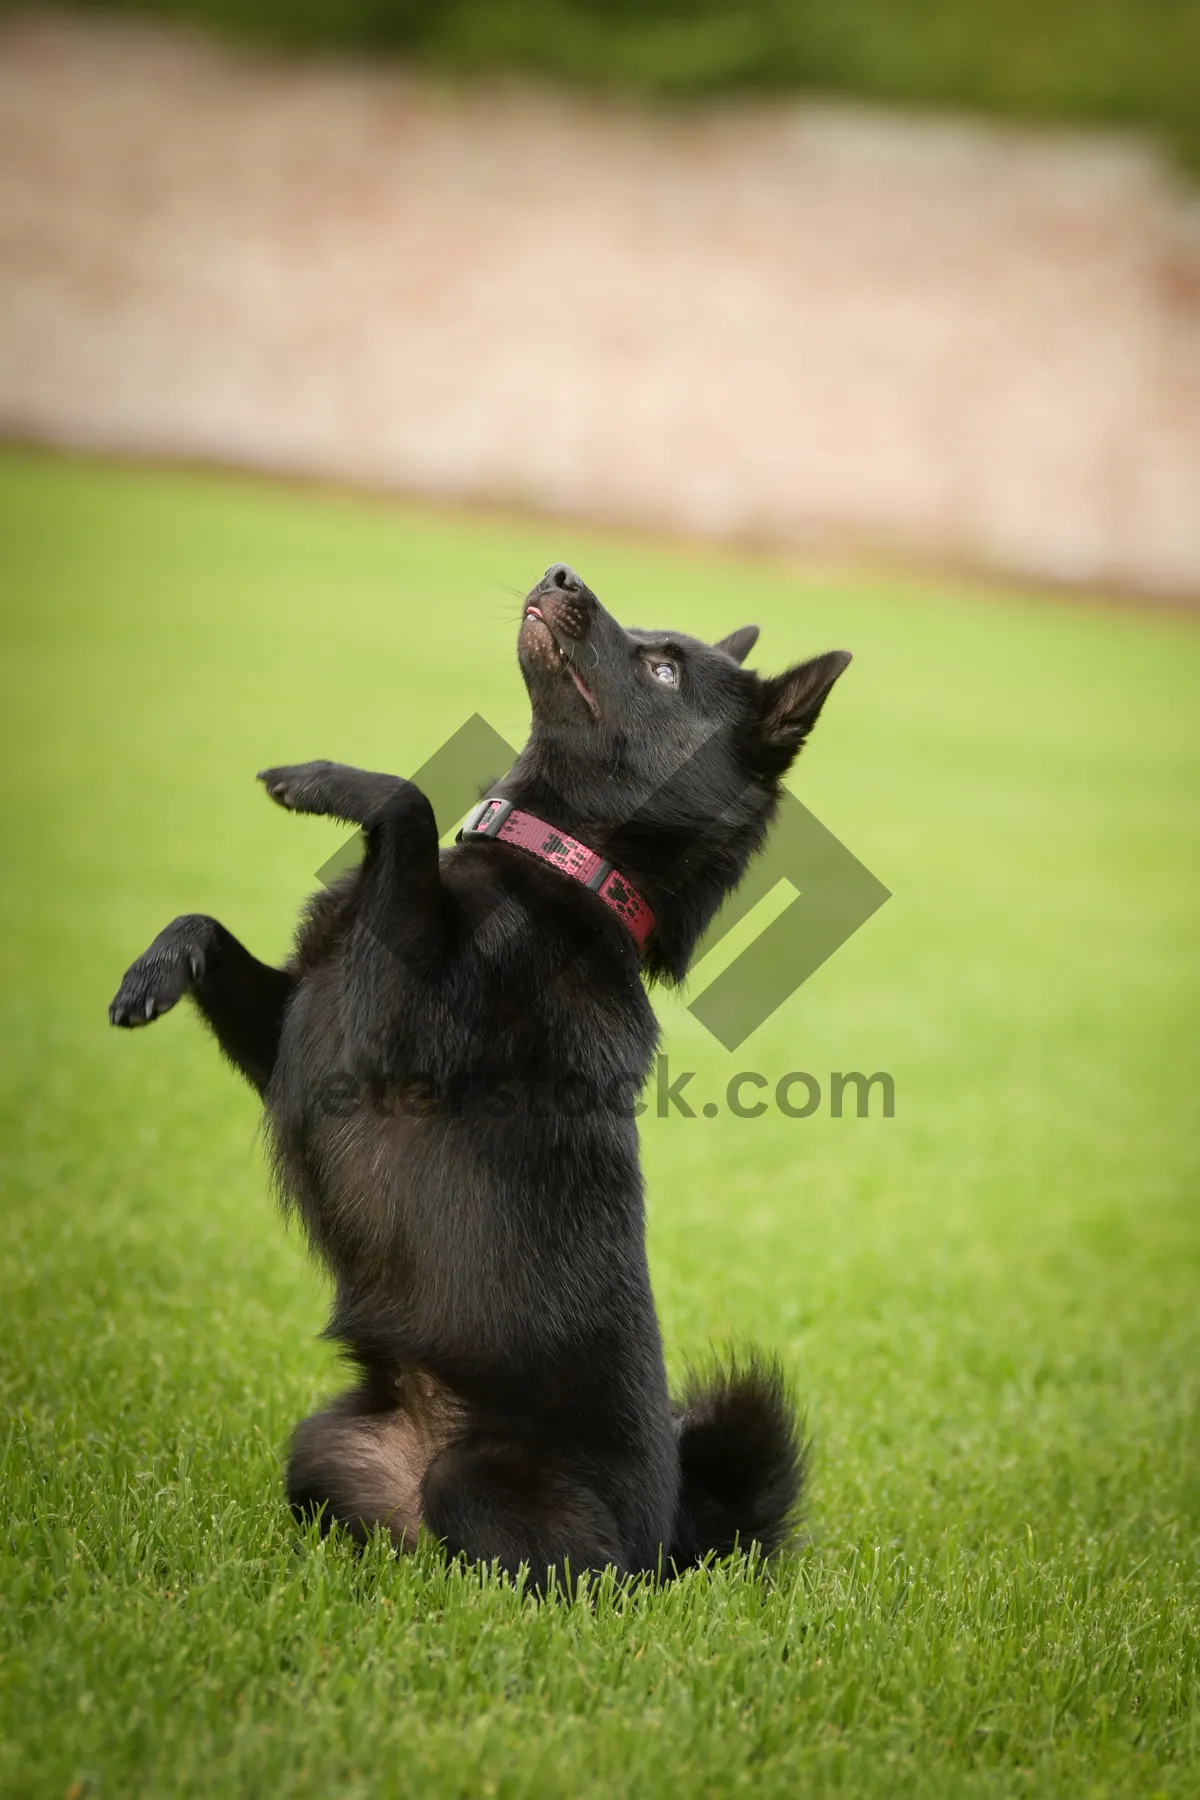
{"type": "Point", "coordinates": [740, 643]}
{"type": "Point", "coordinates": [790, 703]}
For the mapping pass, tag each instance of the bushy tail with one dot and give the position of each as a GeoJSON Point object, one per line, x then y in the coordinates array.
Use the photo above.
{"type": "Point", "coordinates": [742, 1458]}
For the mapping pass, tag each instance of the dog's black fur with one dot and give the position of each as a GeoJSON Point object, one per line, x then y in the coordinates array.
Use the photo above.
{"type": "Point", "coordinates": [487, 1242]}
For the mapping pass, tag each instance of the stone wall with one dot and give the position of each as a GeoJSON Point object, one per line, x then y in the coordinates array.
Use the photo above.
{"type": "Point", "coordinates": [796, 325]}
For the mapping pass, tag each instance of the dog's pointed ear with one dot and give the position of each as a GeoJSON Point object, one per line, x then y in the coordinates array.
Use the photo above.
{"type": "Point", "coordinates": [740, 643]}
{"type": "Point", "coordinates": [791, 702]}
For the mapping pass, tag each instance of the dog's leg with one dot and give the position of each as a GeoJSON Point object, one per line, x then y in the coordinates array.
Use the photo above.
{"type": "Point", "coordinates": [332, 790]}
{"type": "Point", "coordinates": [399, 925]}
{"type": "Point", "coordinates": [504, 1501]}
{"type": "Point", "coordinates": [354, 1466]}
{"type": "Point", "coordinates": [242, 999]}
{"type": "Point", "coordinates": [359, 1463]}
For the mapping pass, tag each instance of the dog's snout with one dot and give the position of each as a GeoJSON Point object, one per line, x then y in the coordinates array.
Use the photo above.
{"type": "Point", "coordinates": [564, 602]}
{"type": "Point", "coordinates": [563, 576]}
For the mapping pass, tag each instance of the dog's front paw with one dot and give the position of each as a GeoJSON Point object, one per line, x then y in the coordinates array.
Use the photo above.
{"type": "Point", "coordinates": [300, 787]}
{"type": "Point", "coordinates": [157, 981]}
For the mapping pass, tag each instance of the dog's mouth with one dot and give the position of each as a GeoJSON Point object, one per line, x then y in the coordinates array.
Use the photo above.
{"type": "Point", "coordinates": [552, 654]}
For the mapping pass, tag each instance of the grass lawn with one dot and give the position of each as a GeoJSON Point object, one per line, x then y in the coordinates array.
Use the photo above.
{"type": "Point", "coordinates": [991, 1301]}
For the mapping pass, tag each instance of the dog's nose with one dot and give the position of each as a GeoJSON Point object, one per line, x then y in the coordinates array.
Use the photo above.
{"type": "Point", "coordinates": [562, 575]}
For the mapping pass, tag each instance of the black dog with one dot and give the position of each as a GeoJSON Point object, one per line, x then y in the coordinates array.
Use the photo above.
{"type": "Point", "coordinates": [449, 1064]}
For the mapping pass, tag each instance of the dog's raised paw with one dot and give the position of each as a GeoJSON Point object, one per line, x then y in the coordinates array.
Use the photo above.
{"type": "Point", "coordinates": [286, 785]}
{"type": "Point", "coordinates": [280, 784]}
{"type": "Point", "coordinates": [154, 984]}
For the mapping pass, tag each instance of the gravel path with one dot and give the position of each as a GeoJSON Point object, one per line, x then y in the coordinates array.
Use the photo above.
{"type": "Point", "coordinates": [794, 325]}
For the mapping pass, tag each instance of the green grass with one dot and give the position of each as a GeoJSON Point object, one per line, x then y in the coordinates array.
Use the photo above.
{"type": "Point", "coordinates": [990, 1301]}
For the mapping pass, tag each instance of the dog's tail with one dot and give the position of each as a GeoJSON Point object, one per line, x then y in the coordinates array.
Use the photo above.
{"type": "Point", "coordinates": [742, 1463]}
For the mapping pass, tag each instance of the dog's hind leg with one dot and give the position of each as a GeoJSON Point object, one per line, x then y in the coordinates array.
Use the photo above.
{"type": "Point", "coordinates": [499, 1500]}
{"type": "Point", "coordinates": [359, 1467]}
{"type": "Point", "coordinates": [361, 1461]}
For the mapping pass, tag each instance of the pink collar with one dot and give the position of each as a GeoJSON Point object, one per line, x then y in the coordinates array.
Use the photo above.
{"type": "Point", "coordinates": [500, 819]}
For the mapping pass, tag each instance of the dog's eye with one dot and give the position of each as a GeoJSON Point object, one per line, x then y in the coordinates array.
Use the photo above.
{"type": "Point", "coordinates": [665, 672]}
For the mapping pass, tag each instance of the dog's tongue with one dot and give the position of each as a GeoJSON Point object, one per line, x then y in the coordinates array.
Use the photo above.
{"type": "Point", "coordinates": [584, 689]}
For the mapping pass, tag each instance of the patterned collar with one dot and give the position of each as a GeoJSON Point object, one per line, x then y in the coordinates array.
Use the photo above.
{"type": "Point", "coordinates": [500, 819]}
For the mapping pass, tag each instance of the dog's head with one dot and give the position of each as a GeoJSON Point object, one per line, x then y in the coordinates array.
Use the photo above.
{"type": "Point", "coordinates": [661, 751]}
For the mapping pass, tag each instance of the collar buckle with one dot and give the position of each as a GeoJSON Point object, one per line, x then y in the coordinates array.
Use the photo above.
{"type": "Point", "coordinates": [485, 819]}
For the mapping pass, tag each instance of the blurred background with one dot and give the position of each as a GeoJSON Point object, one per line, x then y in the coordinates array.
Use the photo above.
{"type": "Point", "coordinates": [906, 278]}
